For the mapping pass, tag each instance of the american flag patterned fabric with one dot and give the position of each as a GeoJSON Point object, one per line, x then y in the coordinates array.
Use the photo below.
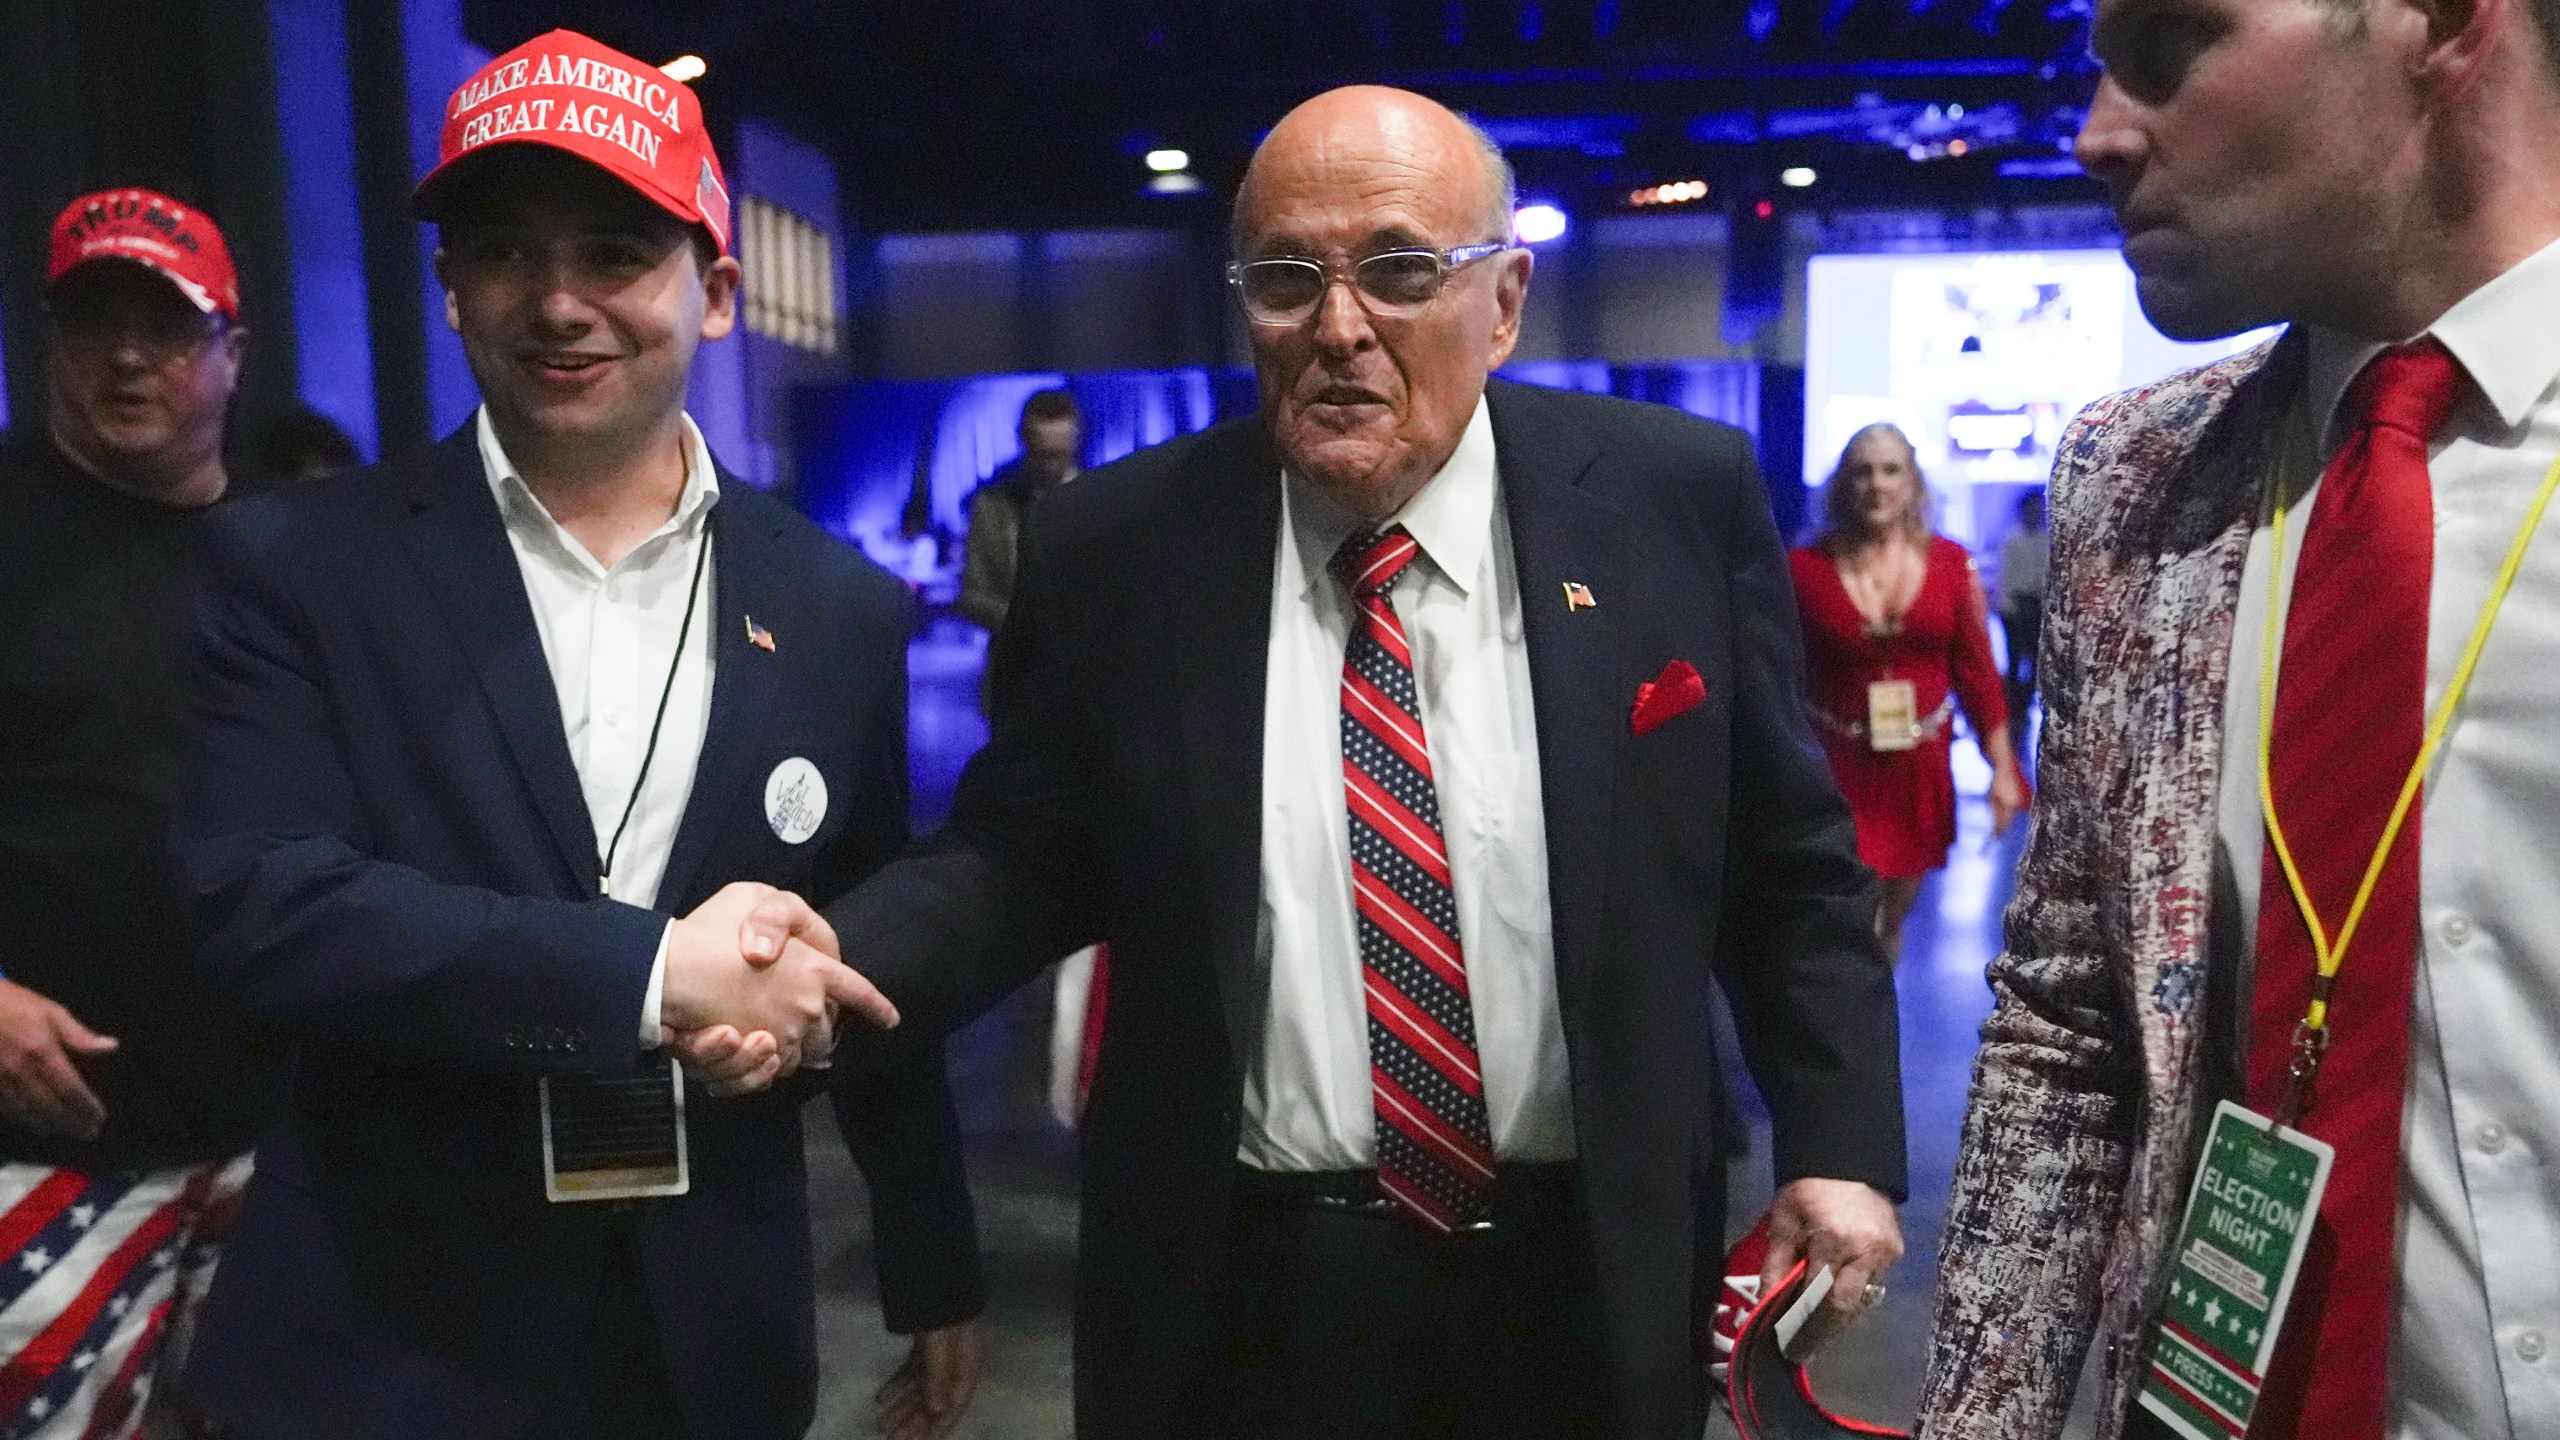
{"type": "Point", "coordinates": [99, 1278]}
{"type": "Point", "coordinates": [1434, 1140]}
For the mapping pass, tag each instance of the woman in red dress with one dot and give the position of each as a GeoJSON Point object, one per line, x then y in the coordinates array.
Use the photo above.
{"type": "Point", "coordinates": [1897, 634]}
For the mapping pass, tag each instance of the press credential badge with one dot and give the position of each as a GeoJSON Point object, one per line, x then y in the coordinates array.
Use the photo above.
{"type": "Point", "coordinates": [2248, 1222]}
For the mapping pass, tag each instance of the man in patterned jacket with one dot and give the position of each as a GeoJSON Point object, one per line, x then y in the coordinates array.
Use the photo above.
{"type": "Point", "coordinates": [2382, 176]}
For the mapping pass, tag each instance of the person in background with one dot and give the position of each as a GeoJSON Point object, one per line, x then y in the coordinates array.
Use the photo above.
{"type": "Point", "coordinates": [2382, 177]}
{"type": "Point", "coordinates": [300, 446]}
{"type": "Point", "coordinates": [1052, 443]}
{"type": "Point", "coordinates": [129, 1092]}
{"type": "Point", "coordinates": [1052, 452]}
{"type": "Point", "coordinates": [2024, 557]}
{"type": "Point", "coordinates": [1897, 634]}
{"type": "Point", "coordinates": [475, 727]}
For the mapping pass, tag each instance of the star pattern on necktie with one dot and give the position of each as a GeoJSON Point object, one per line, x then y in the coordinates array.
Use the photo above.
{"type": "Point", "coordinates": [1434, 1137]}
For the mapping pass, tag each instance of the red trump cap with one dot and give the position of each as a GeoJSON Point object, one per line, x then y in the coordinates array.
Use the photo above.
{"type": "Point", "coordinates": [592, 101]}
{"type": "Point", "coordinates": [1767, 1391]}
{"type": "Point", "coordinates": [177, 242]}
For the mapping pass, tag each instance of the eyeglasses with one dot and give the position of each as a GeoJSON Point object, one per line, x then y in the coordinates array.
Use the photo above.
{"type": "Point", "coordinates": [1397, 285]}
{"type": "Point", "coordinates": [161, 336]}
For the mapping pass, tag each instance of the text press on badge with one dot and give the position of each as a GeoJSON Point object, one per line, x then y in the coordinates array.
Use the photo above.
{"type": "Point", "coordinates": [614, 1137]}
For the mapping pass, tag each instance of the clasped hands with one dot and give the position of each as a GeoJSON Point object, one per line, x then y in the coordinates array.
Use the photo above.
{"type": "Point", "coordinates": [755, 982]}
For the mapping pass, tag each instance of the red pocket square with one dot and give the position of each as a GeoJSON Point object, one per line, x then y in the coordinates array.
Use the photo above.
{"type": "Point", "coordinates": [1676, 690]}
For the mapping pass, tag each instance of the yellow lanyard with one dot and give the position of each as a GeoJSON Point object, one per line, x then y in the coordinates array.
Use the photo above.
{"type": "Point", "coordinates": [2310, 1038]}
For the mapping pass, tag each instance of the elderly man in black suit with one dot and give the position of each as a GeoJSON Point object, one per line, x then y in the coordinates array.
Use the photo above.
{"type": "Point", "coordinates": [1422, 748]}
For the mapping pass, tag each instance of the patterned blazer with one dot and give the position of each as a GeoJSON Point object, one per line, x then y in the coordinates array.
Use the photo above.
{"type": "Point", "coordinates": [2094, 1068]}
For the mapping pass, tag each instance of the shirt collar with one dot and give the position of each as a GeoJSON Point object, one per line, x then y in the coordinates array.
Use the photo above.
{"type": "Point", "coordinates": [1450, 518]}
{"type": "Point", "coordinates": [525, 511]}
{"type": "Point", "coordinates": [2502, 333]}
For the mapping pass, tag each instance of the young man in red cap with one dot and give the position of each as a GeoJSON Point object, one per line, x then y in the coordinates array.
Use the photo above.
{"type": "Point", "coordinates": [476, 725]}
{"type": "Point", "coordinates": [127, 1100]}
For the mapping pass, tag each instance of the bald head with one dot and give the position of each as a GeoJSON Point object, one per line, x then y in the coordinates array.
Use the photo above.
{"type": "Point", "coordinates": [1397, 128]}
{"type": "Point", "coordinates": [1367, 397]}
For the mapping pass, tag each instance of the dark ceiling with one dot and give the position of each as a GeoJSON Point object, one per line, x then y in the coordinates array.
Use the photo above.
{"type": "Point", "coordinates": [1031, 114]}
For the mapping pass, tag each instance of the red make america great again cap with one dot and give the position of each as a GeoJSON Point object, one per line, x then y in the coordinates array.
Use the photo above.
{"type": "Point", "coordinates": [592, 101]}
{"type": "Point", "coordinates": [177, 241]}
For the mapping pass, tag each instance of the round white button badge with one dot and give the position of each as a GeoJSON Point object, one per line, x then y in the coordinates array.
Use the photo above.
{"type": "Point", "coordinates": [795, 800]}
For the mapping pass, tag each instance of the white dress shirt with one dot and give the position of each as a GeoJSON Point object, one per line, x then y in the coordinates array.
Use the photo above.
{"type": "Point", "coordinates": [2476, 1346]}
{"type": "Point", "coordinates": [1308, 1103]}
{"type": "Point", "coordinates": [609, 635]}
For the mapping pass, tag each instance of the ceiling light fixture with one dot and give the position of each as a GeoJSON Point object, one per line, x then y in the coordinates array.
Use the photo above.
{"type": "Point", "coordinates": [1538, 223]}
{"type": "Point", "coordinates": [1676, 192]}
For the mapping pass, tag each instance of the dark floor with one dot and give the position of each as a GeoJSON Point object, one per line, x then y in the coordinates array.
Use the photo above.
{"type": "Point", "coordinates": [1022, 1164]}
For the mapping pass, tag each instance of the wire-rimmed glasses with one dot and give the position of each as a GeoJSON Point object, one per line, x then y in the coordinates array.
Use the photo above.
{"type": "Point", "coordinates": [1395, 285]}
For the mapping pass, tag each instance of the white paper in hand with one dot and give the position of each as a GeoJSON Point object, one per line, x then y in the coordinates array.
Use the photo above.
{"type": "Point", "coordinates": [1793, 1322]}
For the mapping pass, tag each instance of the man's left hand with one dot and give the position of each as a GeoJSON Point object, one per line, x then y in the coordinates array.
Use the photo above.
{"type": "Point", "coordinates": [928, 1393]}
{"type": "Point", "coordinates": [1840, 1223]}
{"type": "Point", "coordinates": [728, 1062]}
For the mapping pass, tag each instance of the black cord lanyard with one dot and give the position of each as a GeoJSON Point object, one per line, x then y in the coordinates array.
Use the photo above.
{"type": "Point", "coordinates": [684, 632]}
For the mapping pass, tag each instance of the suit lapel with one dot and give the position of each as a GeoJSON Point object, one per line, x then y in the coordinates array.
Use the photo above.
{"type": "Point", "coordinates": [2198, 542]}
{"type": "Point", "coordinates": [1563, 534]}
{"type": "Point", "coordinates": [1224, 635]}
{"type": "Point", "coordinates": [747, 582]}
{"type": "Point", "coordinates": [458, 543]}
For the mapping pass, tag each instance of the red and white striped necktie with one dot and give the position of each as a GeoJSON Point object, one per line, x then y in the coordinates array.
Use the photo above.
{"type": "Point", "coordinates": [1434, 1140]}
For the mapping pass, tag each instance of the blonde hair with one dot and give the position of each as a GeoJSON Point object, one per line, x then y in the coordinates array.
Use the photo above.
{"type": "Point", "coordinates": [1841, 513]}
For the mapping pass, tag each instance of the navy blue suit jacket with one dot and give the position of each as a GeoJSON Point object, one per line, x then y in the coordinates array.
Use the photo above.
{"type": "Point", "coordinates": [392, 863]}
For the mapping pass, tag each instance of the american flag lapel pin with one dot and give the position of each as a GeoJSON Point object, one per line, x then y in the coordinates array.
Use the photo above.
{"type": "Point", "coordinates": [758, 636]}
{"type": "Point", "coordinates": [1577, 596]}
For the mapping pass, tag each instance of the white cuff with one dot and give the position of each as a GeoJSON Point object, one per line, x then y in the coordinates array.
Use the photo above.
{"type": "Point", "coordinates": [651, 1036]}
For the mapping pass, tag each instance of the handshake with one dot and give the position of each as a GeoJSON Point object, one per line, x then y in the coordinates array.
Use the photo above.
{"type": "Point", "coordinates": [754, 984]}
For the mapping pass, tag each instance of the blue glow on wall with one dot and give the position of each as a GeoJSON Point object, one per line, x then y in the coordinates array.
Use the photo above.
{"type": "Point", "coordinates": [740, 383]}
{"type": "Point", "coordinates": [890, 466]}
{"type": "Point", "coordinates": [316, 125]}
{"type": "Point", "coordinates": [439, 60]}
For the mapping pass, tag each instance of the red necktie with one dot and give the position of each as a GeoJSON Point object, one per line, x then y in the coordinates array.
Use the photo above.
{"type": "Point", "coordinates": [1435, 1145]}
{"type": "Point", "coordinates": [2350, 716]}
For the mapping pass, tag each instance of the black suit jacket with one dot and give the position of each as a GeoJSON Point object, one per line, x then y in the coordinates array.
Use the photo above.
{"type": "Point", "coordinates": [393, 865]}
{"type": "Point", "coordinates": [1120, 799]}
